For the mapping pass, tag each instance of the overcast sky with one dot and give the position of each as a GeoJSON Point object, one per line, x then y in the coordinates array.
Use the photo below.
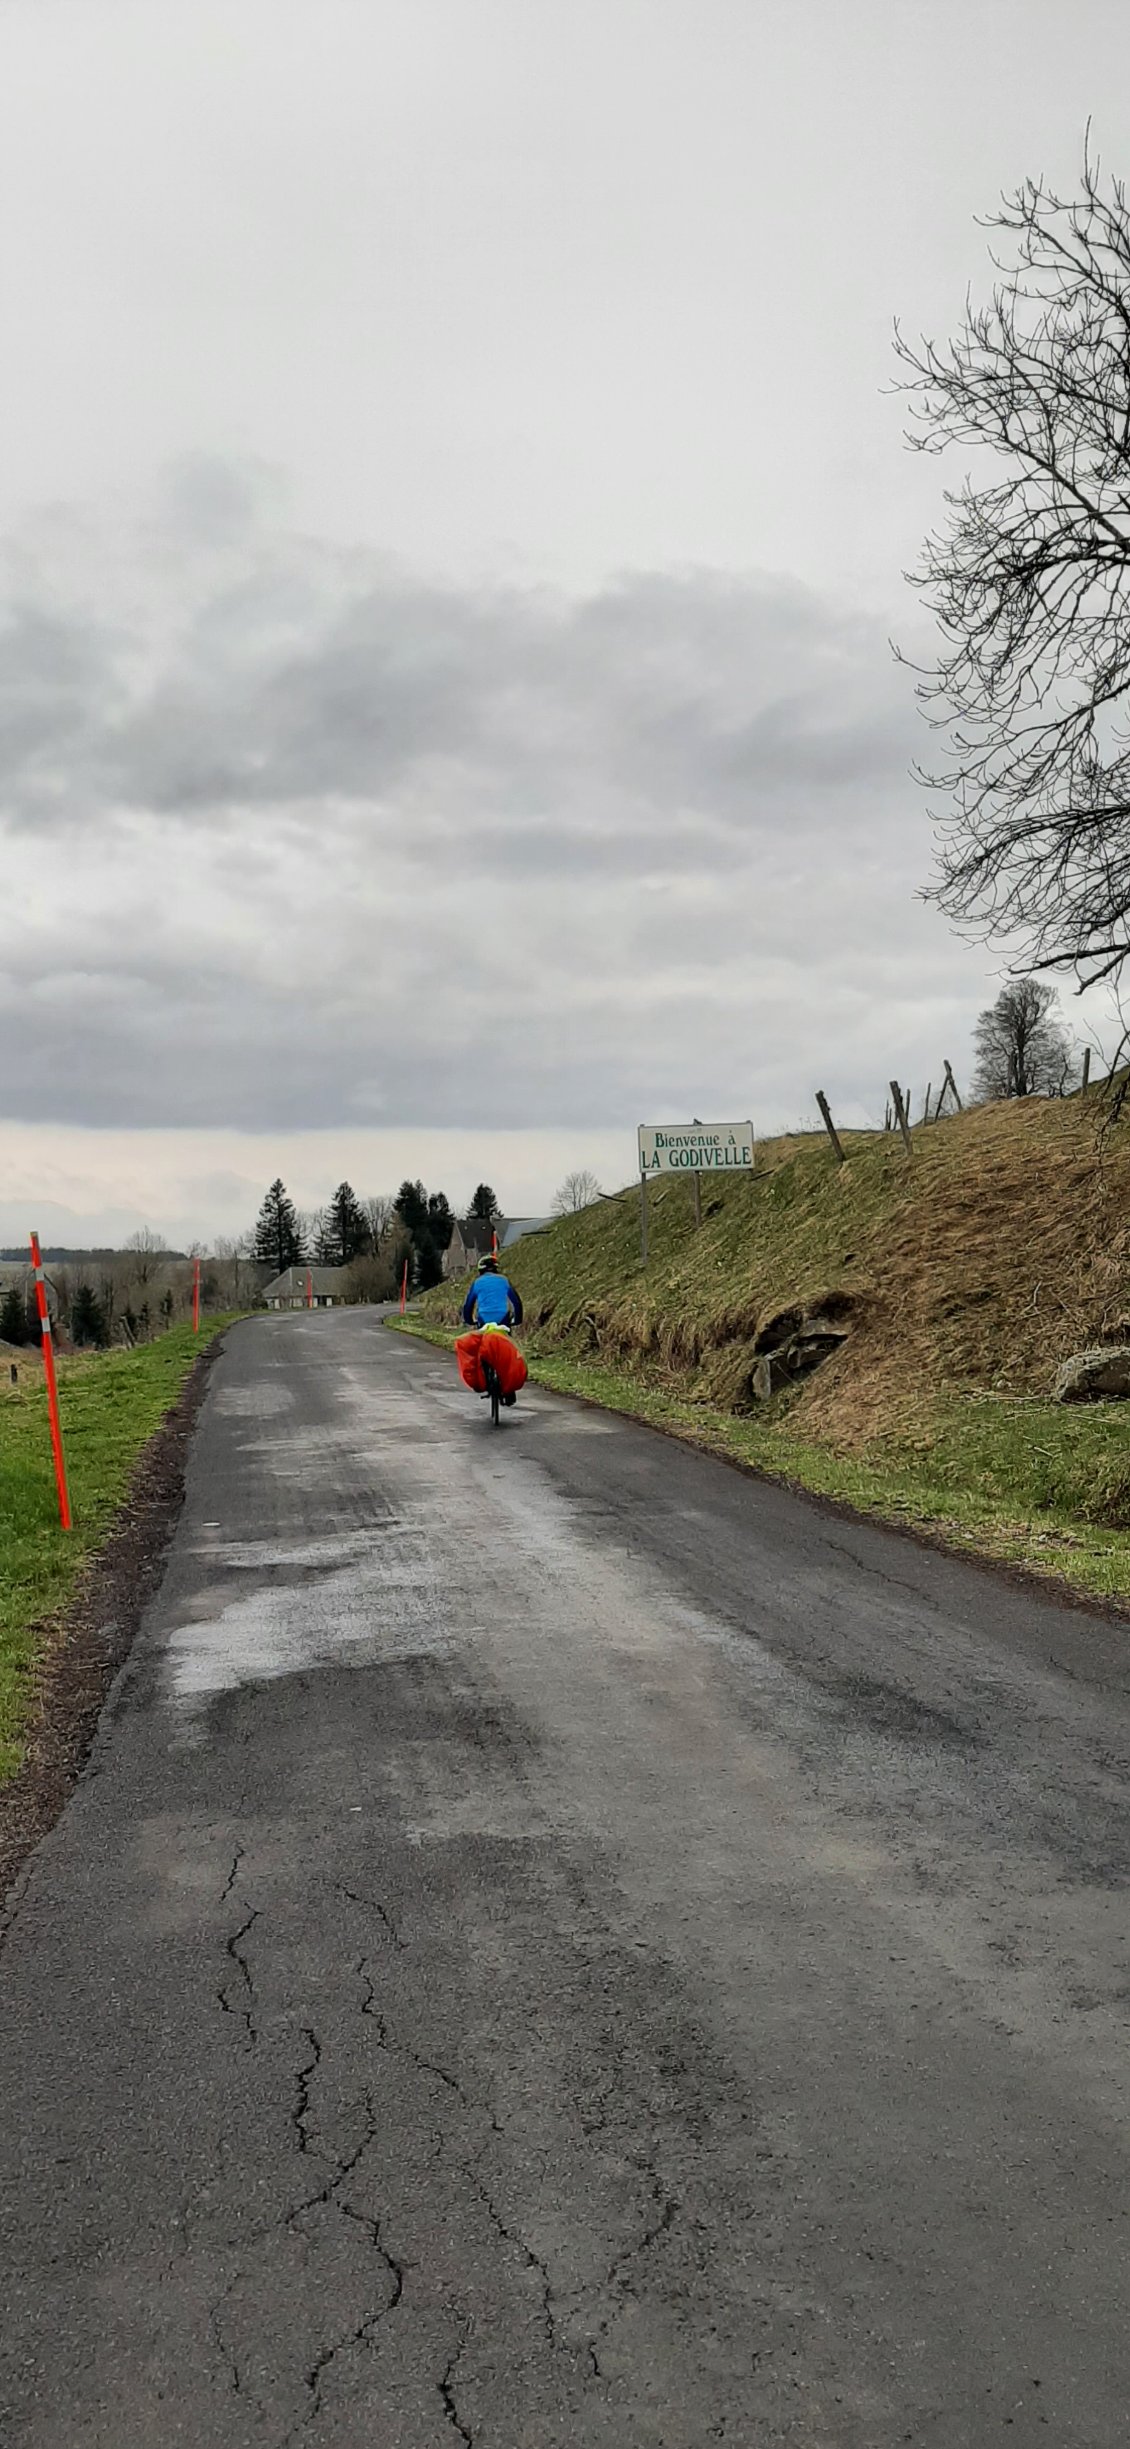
{"type": "Point", "coordinates": [452, 517]}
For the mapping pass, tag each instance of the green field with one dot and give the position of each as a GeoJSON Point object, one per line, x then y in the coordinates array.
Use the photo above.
{"type": "Point", "coordinates": [111, 1403]}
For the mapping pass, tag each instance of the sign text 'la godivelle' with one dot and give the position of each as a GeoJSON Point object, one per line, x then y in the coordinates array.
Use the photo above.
{"type": "Point", "coordinates": [721, 1147]}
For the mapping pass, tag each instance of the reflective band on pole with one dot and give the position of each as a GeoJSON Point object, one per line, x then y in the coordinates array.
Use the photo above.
{"type": "Point", "coordinates": [46, 1347]}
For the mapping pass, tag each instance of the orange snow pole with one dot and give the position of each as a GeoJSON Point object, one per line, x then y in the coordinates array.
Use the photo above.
{"type": "Point", "coordinates": [309, 1290]}
{"type": "Point", "coordinates": [48, 1351]}
{"type": "Point", "coordinates": [404, 1289]}
{"type": "Point", "coordinates": [196, 1296]}
{"type": "Point", "coordinates": [493, 1242]}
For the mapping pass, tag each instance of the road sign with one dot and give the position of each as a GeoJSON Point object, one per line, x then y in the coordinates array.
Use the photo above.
{"type": "Point", "coordinates": [695, 1147]}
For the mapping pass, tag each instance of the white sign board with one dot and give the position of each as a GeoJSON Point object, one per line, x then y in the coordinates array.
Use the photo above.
{"type": "Point", "coordinates": [695, 1147]}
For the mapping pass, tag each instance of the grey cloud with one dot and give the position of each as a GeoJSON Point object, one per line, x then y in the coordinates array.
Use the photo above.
{"type": "Point", "coordinates": [59, 690]}
{"type": "Point", "coordinates": [339, 679]}
{"type": "Point", "coordinates": [337, 844]}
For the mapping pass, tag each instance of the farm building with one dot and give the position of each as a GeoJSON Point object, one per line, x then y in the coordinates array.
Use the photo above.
{"type": "Point", "coordinates": [301, 1288]}
{"type": "Point", "coordinates": [473, 1240]}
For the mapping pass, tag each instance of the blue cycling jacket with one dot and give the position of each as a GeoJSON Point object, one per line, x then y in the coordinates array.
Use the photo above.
{"type": "Point", "coordinates": [490, 1301]}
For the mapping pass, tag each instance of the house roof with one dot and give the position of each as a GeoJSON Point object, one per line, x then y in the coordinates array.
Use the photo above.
{"type": "Point", "coordinates": [516, 1226]}
{"type": "Point", "coordinates": [292, 1284]}
{"type": "Point", "coordinates": [476, 1234]}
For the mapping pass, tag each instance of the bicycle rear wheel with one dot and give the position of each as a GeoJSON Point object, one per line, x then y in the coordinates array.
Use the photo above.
{"type": "Point", "coordinates": [495, 1392]}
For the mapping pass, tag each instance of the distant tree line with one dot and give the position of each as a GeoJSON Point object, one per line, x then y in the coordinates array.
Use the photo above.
{"type": "Point", "coordinates": [126, 1296]}
{"type": "Point", "coordinates": [104, 1297]}
{"type": "Point", "coordinates": [373, 1238]}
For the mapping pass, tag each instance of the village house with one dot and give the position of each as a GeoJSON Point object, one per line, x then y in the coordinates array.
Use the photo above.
{"type": "Point", "coordinates": [301, 1288]}
{"type": "Point", "coordinates": [474, 1238]}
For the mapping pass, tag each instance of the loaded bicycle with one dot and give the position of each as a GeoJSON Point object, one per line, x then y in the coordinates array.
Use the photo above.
{"type": "Point", "coordinates": [489, 1360]}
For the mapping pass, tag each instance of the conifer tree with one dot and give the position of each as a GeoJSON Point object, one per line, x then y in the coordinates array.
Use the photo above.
{"type": "Point", "coordinates": [343, 1229]}
{"type": "Point", "coordinates": [13, 1317]}
{"type": "Point", "coordinates": [278, 1241]}
{"type": "Point", "coordinates": [412, 1205]}
{"type": "Point", "coordinates": [429, 1223]}
{"type": "Point", "coordinates": [88, 1319]}
{"type": "Point", "coordinates": [441, 1222]}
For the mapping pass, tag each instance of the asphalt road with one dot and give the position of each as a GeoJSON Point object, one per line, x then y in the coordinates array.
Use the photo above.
{"type": "Point", "coordinates": [563, 1947]}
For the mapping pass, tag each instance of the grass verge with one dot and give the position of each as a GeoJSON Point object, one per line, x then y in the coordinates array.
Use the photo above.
{"type": "Point", "coordinates": [111, 1404]}
{"type": "Point", "coordinates": [1020, 1482]}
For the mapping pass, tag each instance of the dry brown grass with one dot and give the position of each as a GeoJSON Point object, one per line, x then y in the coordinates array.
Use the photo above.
{"type": "Point", "coordinates": [974, 1265]}
{"type": "Point", "coordinates": [1009, 1249]}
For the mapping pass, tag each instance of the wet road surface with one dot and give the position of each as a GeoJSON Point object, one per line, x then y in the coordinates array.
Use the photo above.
{"type": "Point", "coordinates": [560, 1944]}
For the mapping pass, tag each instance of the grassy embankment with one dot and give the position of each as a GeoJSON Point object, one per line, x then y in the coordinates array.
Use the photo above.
{"type": "Point", "coordinates": [111, 1403]}
{"type": "Point", "coordinates": [964, 1272]}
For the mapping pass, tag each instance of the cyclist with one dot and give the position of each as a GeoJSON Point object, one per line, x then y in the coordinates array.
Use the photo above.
{"type": "Point", "coordinates": [489, 1311]}
{"type": "Point", "coordinates": [493, 1300]}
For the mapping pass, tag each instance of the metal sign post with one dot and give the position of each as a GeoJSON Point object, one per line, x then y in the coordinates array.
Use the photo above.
{"type": "Point", "coordinates": [643, 1219]}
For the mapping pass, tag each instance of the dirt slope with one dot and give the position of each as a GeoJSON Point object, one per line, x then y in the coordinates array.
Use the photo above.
{"type": "Point", "coordinates": [975, 1264]}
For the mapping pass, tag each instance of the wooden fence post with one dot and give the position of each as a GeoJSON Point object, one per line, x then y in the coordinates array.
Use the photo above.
{"type": "Point", "coordinates": [956, 1091]}
{"type": "Point", "coordinates": [926, 1107]}
{"type": "Point", "coordinates": [900, 1112]}
{"type": "Point", "coordinates": [829, 1125]}
{"type": "Point", "coordinates": [1086, 1071]}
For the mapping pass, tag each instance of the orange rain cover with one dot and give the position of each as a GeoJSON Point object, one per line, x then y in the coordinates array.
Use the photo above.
{"type": "Point", "coordinates": [504, 1357]}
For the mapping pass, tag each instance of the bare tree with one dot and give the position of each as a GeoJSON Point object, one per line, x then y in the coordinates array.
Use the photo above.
{"type": "Point", "coordinates": [371, 1277]}
{"type": "Point", "coordinates": [145, 1248]}
{"type": "Point", "coordinates": [1023, 1049]}
{"type": "Point", "coordinates": [578, 1190]}
{"type": "Point", "coordinates": [379, 1212]}
{"type": "Point", "coordinates": [235, 1267]}
{"type": "Point", "coordinates": [1030, 583]}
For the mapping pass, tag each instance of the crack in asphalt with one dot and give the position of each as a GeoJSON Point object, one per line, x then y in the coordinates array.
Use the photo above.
{"type": "Point", "coordinates": [246, 2013]}
{"type": "Point", "coordinates": [373, 2226]}
{"type": "Point", "coordinates": [229, 1882]}
{"type": "Point", "coordinates": [371, 1904]}
{"type": "Point", "coordinates": [329, 2195]}
{"type": "Point", "coordinates": [300, 2113]}
{"type": "Point", "coordinates": [512, 2236]}
{"type": "Point", "coordinates": [879, 1573]}
{"type": "Point", "coordinates": [1075, 1675]}
{"type": "Point", "coordinates": [235, 2382]}
{"type": "Point", "coordinates": [362, 2331]}
{"type": "Point", "coordinates": [446, 2388]}
{"type": "Point", "coordinates": [613, 2281]}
